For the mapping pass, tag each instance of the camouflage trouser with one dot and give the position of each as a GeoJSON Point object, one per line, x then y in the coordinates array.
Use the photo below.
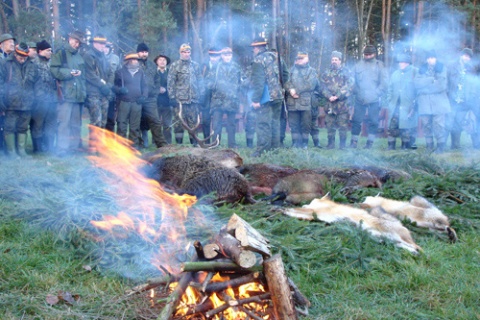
{"type": "Point", "coordinates": [98, 108]}
{"type": "Point", "coordinates": [189, 114]}
{"type": "Point", "coordinates": [250, 123]}
{"type": "Point", "coordinates": [300, 122]}
{"type": "Point", "coordinates": [44, 119]}
{"type": "Point", "coordinates": [268, 125]}
{"type": "Point", "coordinates": [314, 129]}
{"type": "Point", "coordinates": [17, 121]}
{"type": "Point", "coordinates": [339, 122]}
{"type": "Point", "coordinates": [434, 126]}
{"type": "Point", "coordinates": [128, 120]}
{"type": "Point", "coordinates": [395, 131]}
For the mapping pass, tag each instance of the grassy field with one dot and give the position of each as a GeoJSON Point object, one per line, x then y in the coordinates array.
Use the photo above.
{"type": "Point", "coordinates": [47, 246]}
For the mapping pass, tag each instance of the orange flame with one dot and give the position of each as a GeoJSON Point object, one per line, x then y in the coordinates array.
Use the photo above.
{"type": "Point", "coordinates": [147, 209]}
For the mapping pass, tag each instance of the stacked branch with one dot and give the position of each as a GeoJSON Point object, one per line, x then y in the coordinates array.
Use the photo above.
{"type": "Point", "coordinates": [240, 255]}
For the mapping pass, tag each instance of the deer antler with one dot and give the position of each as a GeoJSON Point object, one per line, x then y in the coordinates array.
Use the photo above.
{"type": "Point", "coordinates": [191, 131]}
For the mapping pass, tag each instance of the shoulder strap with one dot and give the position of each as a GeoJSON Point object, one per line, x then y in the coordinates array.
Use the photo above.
{"type": "Point", "coordinates": [64, 58]}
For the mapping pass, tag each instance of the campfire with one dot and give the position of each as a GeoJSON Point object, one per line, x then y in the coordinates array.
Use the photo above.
{"type": "Point", "coordinates": [234, 276]}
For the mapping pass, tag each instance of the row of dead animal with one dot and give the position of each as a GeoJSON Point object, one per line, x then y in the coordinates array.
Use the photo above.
{"type": "Point", "coordinates": [221, 173]}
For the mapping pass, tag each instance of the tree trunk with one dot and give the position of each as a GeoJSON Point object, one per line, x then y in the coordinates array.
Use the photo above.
{"type": "Point", "coordinates": [4, 19]}
{"type": "Point", "coordinates": [15, 9]}
{"type": "Point", "coordinates": [56, 19]}
{"type": "Point", "coordinates": [275, 7]}
{"type": "Point", "coordinates": [164, 29]}
{"type": "Point", "coordinates": [474, 24]}
{"type": "Point", "coordinates": [186, 10]}
{"type": "Point", "coordinates": [386, 31]}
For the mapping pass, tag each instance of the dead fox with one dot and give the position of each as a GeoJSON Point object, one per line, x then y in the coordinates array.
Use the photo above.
{"type": "Point", "coordinates": [377, 222]}
{"type": "Point", "coordinates": [418, 210]}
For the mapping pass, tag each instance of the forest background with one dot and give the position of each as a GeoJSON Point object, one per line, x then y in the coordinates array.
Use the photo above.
{"type": "Point", "coordinates": [319, 27]}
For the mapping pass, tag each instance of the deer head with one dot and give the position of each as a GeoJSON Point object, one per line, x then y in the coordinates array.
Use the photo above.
{"type": "Point", "coordinates": [192, 131]}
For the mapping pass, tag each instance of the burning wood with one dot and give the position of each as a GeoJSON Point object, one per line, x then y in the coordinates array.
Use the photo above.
{"type": "Point", "coordinates": [243, 281]}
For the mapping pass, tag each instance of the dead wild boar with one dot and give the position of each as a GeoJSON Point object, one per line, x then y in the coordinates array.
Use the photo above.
{"type": "Point", "coordinates": [227, 157]}
{"type": "Point", "coordinates": [299, 187]}
{"type": "Point", "coordinates": [200, 176]}
{"type": "Point", "coordinates": [386, 174]}
{"type": "Point", "coordinates": [262, 177]}
{"type": "Point", "coordinates": [351, 178]}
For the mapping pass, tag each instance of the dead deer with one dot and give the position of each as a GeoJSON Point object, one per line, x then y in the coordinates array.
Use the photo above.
{"type": "Point", "coordinates": [192, 131]}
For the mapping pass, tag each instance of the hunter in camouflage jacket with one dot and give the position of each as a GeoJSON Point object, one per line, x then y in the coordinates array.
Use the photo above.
{"type": "Point", "coordinates": [266, 70]}
{"type": "Point", "coordinates": [47, 89]}
{"type": "Point", "coordinates": [224, 83]}
{"type": "Point", "coordinates": [18, 83]}
{"type": "Point", "coordinates": [304, 79]}
{"type": "Point", "coordinates": [185, 82]}
{"type": "Point", "coordinates": [339, 83]}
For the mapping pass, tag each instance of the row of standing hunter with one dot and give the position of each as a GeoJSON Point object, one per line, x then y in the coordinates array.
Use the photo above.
{"type": "Point", "coordinates": [185, 85]}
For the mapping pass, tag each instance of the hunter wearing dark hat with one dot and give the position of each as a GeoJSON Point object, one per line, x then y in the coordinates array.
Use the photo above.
{"type": "Point", "coordinates": [150, 117]}
{"type": "Point", "coordinates": [19, 79]}
{"type": "Point", "coordinates": [301, 86]}
{"type": "Point", "coordinates": [370, 78]}
{"type": "Point", "coordinates": [431, 87]}
{"type": "Point", "coordinates": [163, 102]}
{"type": "Point", "coordinates": [44, 116]}
{"type": "Point", "coordinates": [267, 95]}
{"type": "Point", "coordinates": [97, 75]}
{"type": "Point", "coordinates": [68, 68]}
{"type": "Point", "coordinates": [462, 93]}
{"type": "Point", "coordinates": [7, 46]}
{"type": "Point", "coordinates": [185, 86]}
{"type": "Point", "coordinates": [336, 86]}
{"type": "Point", "coordinates": [131, 88]}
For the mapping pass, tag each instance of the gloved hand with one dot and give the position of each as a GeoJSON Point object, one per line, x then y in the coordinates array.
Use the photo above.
{"type": "Point", "coordinates": [105, 90]}
{"type": "Point", "coordinates": [141, 100]}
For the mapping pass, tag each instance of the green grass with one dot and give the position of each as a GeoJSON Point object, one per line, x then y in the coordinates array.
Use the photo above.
{"type": "Point", "coordinates": [46, 242]}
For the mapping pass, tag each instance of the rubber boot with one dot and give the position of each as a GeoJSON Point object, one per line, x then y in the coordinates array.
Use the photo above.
{"type": "Point", "coordinates": [343, 143]}
{"type": "Point", "coordinates": [429, 146]}
{"type": "Point", "coordinates": [455, 137]}
{"type": "Point", "coordinates": [316, 143]}
{"type": "Point", "coordinates": [353, 144]}
{"type": "Point", "coordinates": [413, 143]}
{"type": "Point", "coordinates": [369, 144]}
{"type": "Point", "coordinates": [145, 138]}
{"type": "Point", "coordinates": [391, 145]}
{"type": "Point", "coordinates": [440, 148]}
{"type": "Point", "coordinates": [22, 141]}
{"type": "Point", "coordinates": [193, 142]}
{"type": "Point", "coordinates": [249, 143]}
{"type": "Point", "coordinates": [38, 145]}
{"type": "Point", "coordinates": [331, 143]}
{"type": "Point", "coordinates": [179, 140]}
{"type": "Point", "coordinates": [10, 144]}
{"type": "Point", "coordinates": [305, 143]}
{"type": "Point", "coordinates": [49, 142]}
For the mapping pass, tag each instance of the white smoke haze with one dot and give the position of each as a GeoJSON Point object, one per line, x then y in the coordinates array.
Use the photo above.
{"type": "Point", "coordinates": [65, 196]}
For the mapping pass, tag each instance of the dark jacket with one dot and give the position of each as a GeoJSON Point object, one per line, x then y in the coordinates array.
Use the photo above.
{"type": "Point", "coordinates": [161, 81]}
{"type": "Point", "coordinates": [47, 89]}
{"type": "Point", "coordinates": [73, 88]}
{"type": "Point", "coordinates": [18, 83]}
{"type": "Point", "coordinates": [136, 84]}
{"type": "Point", "coordinates": [97, 68]}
